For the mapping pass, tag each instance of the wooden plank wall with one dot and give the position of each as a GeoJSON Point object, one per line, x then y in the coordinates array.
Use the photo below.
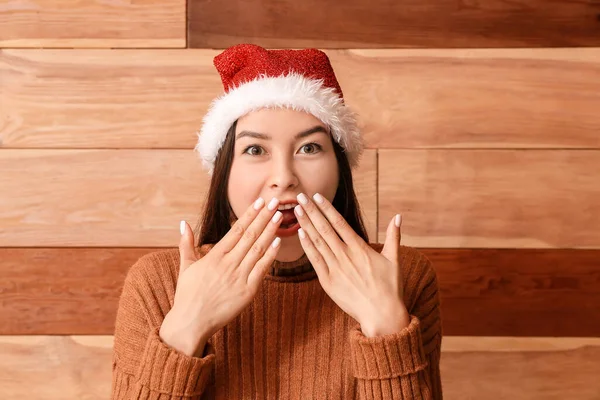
{"type": "Point", "coordinates": [482, 121]}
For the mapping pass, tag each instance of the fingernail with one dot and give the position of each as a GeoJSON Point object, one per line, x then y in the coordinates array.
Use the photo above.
{"type": "Point", "coordinates": [259, 203]}
{"type": "Point", "coordinates": [272, 204]}
{"type": "Point", "coordinates": [299, 210]}
{"type": "Point", "coordinates": [302, 199]}
{"type": "Point", "coordinates": [276, 242]}
{"type": "Point", "coordinates": [276, 217]}
{"type": "Point", "coordinates": [318, 198]}
{"type": "Point", "coordinates": [397, 220]}
{"type": "Point", "coordinates": [301, 233]}
{"type": "Point", "coordinates": [182, 227]}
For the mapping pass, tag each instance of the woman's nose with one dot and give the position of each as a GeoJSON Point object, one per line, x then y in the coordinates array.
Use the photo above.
{"type": "Point", "coordinates": [283, 176]}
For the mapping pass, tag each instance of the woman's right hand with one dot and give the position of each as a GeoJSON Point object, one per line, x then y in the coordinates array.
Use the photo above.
{"type": "Point", "coordinates": [213, 290]}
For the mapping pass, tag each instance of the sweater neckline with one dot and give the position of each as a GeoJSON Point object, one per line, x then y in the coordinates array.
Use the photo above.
{"type": "Point", "coordinates": [292, 271]}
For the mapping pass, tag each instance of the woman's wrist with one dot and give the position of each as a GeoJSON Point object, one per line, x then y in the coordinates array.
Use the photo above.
{"type": "Point", "coordinates": [393, 322]}
{"type": "Point", "coordinates": [183, 338]}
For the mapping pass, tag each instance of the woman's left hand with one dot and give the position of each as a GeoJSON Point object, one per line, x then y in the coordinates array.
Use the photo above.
{"type": "Point", "coordinates": [365, 284]}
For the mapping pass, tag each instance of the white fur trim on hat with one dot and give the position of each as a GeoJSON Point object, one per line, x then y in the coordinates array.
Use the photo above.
{"type": "Point", "coordinates": [293, 91]}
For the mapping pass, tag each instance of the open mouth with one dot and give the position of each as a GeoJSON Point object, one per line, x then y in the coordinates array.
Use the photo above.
{"type": "Point", "coordinates": [289, 225]}
{"type": "Point", "coordinates": [286, 226]}
{"type": "Point", "coordinates": [289, 219]}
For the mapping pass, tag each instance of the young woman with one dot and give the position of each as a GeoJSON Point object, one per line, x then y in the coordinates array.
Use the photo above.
{"type": "Point", "coordinates": [281, 296]}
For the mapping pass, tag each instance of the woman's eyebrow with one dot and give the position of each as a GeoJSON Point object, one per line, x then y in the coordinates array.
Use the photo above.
{"type": "Point", "coordinates": [264, 136]}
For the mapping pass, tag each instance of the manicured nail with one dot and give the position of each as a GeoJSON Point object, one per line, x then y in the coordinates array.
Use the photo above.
{"type": "Point", "coordinates": [301, 233]}
{"type": "Point", "coordinates": [302, 199]}
{"type": "Point", "coordinates": [259, 203]}
{"type": "Point", "coordinates": [299, 210]}
{"type": "Point", "coordinates": [318, 198]}
{"type": "Point", "coordinates": [182, 227]}
{"type": "Point", "coordinates": [276, 217]}
{"type": "Point", "coordinates": [273, 204]}
{"type": "Point", "coordinates": [276, 242]}
{"type": "Point", "coordinates": [397, 220]}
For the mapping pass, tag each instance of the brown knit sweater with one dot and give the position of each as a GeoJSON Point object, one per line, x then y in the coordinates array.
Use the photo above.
{"type": "Point", "coordinates": [291, 342]}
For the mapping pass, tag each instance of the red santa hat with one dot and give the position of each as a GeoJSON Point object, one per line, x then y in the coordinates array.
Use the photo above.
{"type": "Point", "coordinates": [255, 78]}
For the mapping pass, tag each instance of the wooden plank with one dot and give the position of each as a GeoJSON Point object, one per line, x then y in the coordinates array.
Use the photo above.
{"type": "Point", "coordinates": [313, 23]}
{"type": "Point", "coordinates": [474, 98]}
{"type": "Point", "coordinates": [471, 368]}
{"type": "Point", "coordinates": [525, 292]}
{"type": "Point", "coordinates": [492, 198]}
{"type": "Point", "coordinates": [67, 367]}
{"type": "Point", "coordinates": [60, 23]}
{"type": "Point", "coordinates": [116, 198]}
{"type": "Point", "coordinates": [480, 98]}
{"type": "Point", "coordinates": [120, 198]}
{"type": "Point", "coordinates": [104, 98]}
{"type": "Point", "coordinates": [554, 374]}
{"type": "Point", "coordinates": [506, 292]}
{"type": "Point", "coordinates": [62, 291]}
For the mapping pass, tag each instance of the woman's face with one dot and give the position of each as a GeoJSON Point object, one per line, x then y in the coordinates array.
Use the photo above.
{"type": "Point", "coordinates": [281, 153]}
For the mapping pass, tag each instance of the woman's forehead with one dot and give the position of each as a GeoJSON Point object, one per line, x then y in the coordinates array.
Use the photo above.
{"type": "Point", "coordinates": [278, 122]}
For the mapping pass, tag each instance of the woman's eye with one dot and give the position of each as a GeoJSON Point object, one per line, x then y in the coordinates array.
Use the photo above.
{"type": "Point", "coordinates": [312, 148]}
{"type": "Point", "coordinates": [309, 148]}
{"type": "Point", "coordinates": [253, 150]}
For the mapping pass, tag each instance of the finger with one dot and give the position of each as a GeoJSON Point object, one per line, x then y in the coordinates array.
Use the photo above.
{"type": "Point", "coordinates": [260, 268]}
{"type": "Point", "coordinates": [233, 236]}
{"type": "Point", "coordinates": [314, 256]}
{"type": "Point", "coordinates": [315, 236]}
{"type": "Point", "coordinates": [391, 246]}
{"type": "Point", "coordinates": [261, 246]}
{"type": "Point", "coordinates": [312, 214]}
{"type": "Point", "coordinates": [336, 220]}
{"type": "Point", "coordinates": [187, 254]}
{"type": "Point", "coordinates": [253, 232]}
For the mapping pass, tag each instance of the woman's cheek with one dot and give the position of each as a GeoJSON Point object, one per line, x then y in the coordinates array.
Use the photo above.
{"type": "Point", "coordinates": [242, 190]}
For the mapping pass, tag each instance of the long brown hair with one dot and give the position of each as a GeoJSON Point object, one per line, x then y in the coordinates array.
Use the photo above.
{"type": "Point", "coordinates": [216, 217]}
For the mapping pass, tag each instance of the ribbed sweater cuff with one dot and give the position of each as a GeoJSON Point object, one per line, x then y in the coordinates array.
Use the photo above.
{"type": "Point", "coordinates": [388, 356]}
{"type": "Point", "coordinates": [165, 370]}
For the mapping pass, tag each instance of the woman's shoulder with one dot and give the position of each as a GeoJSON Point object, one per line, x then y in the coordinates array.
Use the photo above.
{"type": "Point", "coordinates": [164, 258]}
{"type": "Point", "coordinates": [154, 272]}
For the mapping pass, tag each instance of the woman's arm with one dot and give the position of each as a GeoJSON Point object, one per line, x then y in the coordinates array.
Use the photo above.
{"type": "Point", "coordinates": [404, 365]}
{"type": "Point", "coordinates": [144, 367]}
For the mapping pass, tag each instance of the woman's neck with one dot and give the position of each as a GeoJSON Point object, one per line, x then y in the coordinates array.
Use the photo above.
{"type": "Point", "coordinates": [289, 268]}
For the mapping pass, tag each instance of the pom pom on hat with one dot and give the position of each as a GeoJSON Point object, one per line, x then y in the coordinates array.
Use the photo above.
{"type": "Point", "coordinates": [255, 78]}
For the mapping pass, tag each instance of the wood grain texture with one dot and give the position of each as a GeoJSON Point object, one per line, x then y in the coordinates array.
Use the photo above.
{"type": "Point", "coordinates": [409, 23]}
{"type": "Point", "coordinates": [104, 98]}
{"type": "Point", "coordinates": [62, 291]}
{"type": "Point", "coordinates": [479, 98]}
{"type": "Point", "coordinates": [120, 198]}
{"type": "Point", "coordinates": [509, 375]}
{"type": "Point", "coordinates": [61, 23]}
{"type": "Point", "coordinates": [98, 197]}
{"type": "Point", "coordinates": [79, 367]}
{"type": "Point", "coordinates": [492, 198]}
{"type": "Point", "coordinates": [483, 291]}
{"type": "Point", "coordinates": [55, 367]}
{"type": "Point", "coordinates": [525, 292]}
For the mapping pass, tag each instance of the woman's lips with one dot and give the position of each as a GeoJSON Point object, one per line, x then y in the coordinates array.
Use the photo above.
{"type": "Point", "coordinates": [290, 231]}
